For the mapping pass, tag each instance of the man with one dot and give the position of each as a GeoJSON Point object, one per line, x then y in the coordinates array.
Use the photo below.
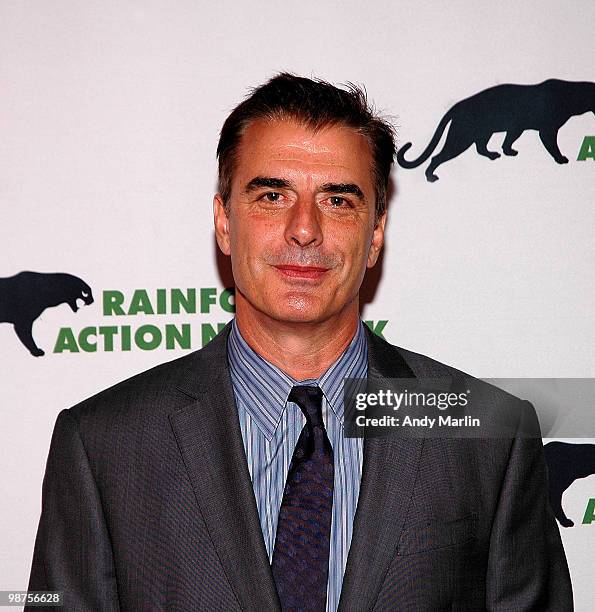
{"type": "Point", "coordinates": [224, 481]}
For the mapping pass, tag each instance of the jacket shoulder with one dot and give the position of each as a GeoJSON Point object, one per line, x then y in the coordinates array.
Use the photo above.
{"type": "Point", "coordinates": [391, 361]}
{"type": "Point", "coordinates": [488, 397]}
{"type": "Point", "coordinates": [424, 366]}
{"type": "Point", "coordinates": [158, 390]}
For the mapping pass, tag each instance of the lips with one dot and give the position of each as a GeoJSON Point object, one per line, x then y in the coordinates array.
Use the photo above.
{"type": "Point", "coordinates": [303, 272]}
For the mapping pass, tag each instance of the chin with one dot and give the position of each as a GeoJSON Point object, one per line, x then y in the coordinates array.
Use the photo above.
{"type": "Point", "coordinates": [299, 307]}
{"type": "Point", "coordinates": [290, 314]}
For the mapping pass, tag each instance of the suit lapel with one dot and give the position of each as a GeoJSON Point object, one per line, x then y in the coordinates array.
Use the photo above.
{"type": "Point", "coordinates": [388, 476]}
{"type": "Point", "coordinates": [209, 438]}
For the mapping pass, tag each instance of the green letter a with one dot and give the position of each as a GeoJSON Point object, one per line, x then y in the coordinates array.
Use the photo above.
{"type": "Point", "coordinates": [587, 149]}
{"type": "Point", "coordinates": [589, 512]}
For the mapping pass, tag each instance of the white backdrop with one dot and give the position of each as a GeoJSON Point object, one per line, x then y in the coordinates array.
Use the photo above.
{"type": "Point", "coordinates": [109, 118]}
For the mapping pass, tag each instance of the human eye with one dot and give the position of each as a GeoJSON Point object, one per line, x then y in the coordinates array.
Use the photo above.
{"type": "Point", "coordinates": [339, 202]}
{"type": "Point", "coordinates": [273, 200]}
{"type": "Point", "coordinates": [271, 196]}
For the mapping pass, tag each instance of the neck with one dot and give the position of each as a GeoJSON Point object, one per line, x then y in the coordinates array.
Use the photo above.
{"type": "Point", "coordinates": [302, 350]}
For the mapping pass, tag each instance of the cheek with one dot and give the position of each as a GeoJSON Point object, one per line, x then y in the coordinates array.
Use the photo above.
{"type": "Point", "coordinates": [356, 253]}
{"type": "Point", "coordinates": [249, 240]}
{"type": "Point", "coordinates": [241, 235]}
{"type": "Point", "coordinates": [358, 263]}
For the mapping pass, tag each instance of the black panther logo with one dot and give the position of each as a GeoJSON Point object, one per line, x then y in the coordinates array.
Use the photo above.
{"type": "Point", "coordinates": [506, 108]}
{"type": "Point", "coordinates": [26, 295]}
{"type": "Point", "coordinates": [566, 463]}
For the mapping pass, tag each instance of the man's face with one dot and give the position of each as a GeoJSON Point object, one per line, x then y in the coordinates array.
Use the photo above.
{"type": "Point", "coordinates": [300, 225]}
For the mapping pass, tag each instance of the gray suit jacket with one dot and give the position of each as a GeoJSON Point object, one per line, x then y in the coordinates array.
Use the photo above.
{"type": "Point", "coordinates": [148, 505]}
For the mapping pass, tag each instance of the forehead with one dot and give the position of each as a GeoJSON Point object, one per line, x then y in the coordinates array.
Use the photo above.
{"type": "Point", "coordinates": [336, 152]}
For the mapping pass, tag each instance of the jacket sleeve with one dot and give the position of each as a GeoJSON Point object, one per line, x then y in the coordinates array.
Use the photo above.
{"type": "Point", "coordinates": [72, 550]}
{"type": "Point", "coordinates": [527, 567]}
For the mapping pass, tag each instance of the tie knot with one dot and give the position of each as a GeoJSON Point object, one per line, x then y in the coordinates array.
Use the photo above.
{"type": "Point", "coordinates": [309, 399]}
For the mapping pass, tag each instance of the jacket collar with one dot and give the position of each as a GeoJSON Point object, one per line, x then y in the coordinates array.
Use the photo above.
{"type": "Point", "coordinates": [262, 389]}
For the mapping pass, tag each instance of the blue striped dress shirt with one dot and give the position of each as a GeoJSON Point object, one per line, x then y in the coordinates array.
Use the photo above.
{"type": "Point", "coordinates": [271, 427]}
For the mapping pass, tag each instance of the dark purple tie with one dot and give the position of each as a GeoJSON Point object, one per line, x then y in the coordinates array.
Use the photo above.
{"type": "Point", "coordinates": [300, 556]}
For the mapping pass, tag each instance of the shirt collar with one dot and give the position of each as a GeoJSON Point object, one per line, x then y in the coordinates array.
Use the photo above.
{"type": "Point", "coordinates": [262, 388]}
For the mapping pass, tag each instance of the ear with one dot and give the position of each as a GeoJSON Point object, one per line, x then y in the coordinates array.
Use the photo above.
{"type": "Point", "coordinates": [377, 241]}
{"type": "Point", "coordinates": [221, 224]}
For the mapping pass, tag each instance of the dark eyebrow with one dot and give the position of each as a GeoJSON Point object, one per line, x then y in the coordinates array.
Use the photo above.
{"type": "Point", "coordinates": [267, 181]}
{"type": "Point", "coordinates": [342, 188]}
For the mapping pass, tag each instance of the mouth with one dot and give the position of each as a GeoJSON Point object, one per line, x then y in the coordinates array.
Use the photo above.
{"type": "Point", "coordinates": [301, 272]}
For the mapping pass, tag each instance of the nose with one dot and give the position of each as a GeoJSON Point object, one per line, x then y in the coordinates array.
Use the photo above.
{"type": "Point", "coordinates": [303, 224]}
